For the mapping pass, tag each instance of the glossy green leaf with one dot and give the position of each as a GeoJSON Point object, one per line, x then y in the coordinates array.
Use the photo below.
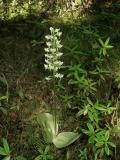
{"type": "Point", "coordinates": [65, 138]}
{"type": "Point", "coordinates": [49, 126]}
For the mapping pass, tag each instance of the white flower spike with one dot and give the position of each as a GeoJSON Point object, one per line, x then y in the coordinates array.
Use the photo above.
{"type": "Point", "coordinates": [53, 54]}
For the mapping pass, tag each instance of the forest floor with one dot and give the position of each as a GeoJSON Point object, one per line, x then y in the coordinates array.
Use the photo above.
{"type": "Point", "coordinates": [22, 73]}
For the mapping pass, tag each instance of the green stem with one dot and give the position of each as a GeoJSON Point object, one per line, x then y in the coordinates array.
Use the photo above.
{"type": "Point", "coordinates": [54, 102]}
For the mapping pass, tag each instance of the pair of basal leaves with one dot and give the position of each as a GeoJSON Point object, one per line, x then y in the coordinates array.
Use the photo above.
{"type": "Point", "coordinates": [50, 131]}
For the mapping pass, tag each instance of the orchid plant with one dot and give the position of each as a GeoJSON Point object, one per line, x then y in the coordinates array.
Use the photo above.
{"type": "Point", "coordinates": [49, 122]}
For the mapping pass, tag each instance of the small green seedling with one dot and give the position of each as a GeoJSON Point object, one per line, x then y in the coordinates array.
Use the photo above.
{"type": "Point", "coordinates": [104, 46]}
{"type": "Point", "coordinates": [44, 154]}
{"type": "Point", "coordinates": [103, 144]}
{"type": "Point", "coordinates": [83, 154]}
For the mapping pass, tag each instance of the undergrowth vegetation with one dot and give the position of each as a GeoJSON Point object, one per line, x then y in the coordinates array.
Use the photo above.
{"type": "Point", "coordinates": [60, 80]}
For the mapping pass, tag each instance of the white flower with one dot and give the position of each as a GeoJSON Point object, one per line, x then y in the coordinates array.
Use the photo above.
{"type": "Point", "coordinates": [51, 29]}
{"type": "Point", "coordinates": [51, 67]}
{"type": "Point", "coordinates": [51, 37]}
{"type": "Point", "coordinates": [57, 42]}
{"type": "Point", "coordinates": [56, 69]}
{"type": "Point", "coordinates": [46, 49]}
{"type": "Point", "coordinates": [59, 46]}
{"type": "Point", "coordinates": [48, 44]}
{"type": "Point", "coordinates": [46, 66]}
{"type": "Point", "coordinates": [58, 63]}
{"type": "Point", "coordinates": [48, 78]}
{"type": "Point", "coordinates": [58, 75]}
{"type": "Point", "coordinates": [57, 30]}
{"type": "Point", "coordinates": [53, 50]}
{"type": "Point", "coordinates": [47, 61]}
{"type": "Point", "coordinates": [48, 56]}
{"type": "Point", "coordinates": [59, 34]}
{"type": "Point", "coordinates": [48, 37]}
{"type": "Point", "coordinates": [55, 38]}
{"type": "Point", "coordinates": [59, 54]}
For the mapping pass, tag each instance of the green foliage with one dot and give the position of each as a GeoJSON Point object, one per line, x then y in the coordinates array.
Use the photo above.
{"type": "Point", "coordinates": [78, 78]}
{"type": "Point", "coordinates": [100, 73]}
{"type": "Point", "coordinates": [5, 150]}
{"type": "Point", "coordinates": [102, 141]}
{"type": "Point", "coordinates": [50, 130]}
{"type": "Point", "coordinates": [94, 110]}
{"type": "Point", "coordinates": [87, 83]}
{"type": "Point", "coordinates": [49, 126]}
{"type": "Point", "coordinates": [83, 155]}
{"type": "Point", "coordinates": [104, 46]}
{"type": "Point", "coordinates": [44, 154]}
{"type": "Point", "coordinates": [91, 132]}
{"type": "Point", "coordinates": [64, 139]}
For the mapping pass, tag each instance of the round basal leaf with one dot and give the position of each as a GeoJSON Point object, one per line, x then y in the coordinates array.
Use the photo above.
{"type": "Point", "coordinates": [65, 138]}
{"type": "Point", "coordinates": [49, 126]}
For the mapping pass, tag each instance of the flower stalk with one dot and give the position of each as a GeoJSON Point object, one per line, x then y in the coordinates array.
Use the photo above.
{"type": "Point", "coordinates": [53, 62]}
